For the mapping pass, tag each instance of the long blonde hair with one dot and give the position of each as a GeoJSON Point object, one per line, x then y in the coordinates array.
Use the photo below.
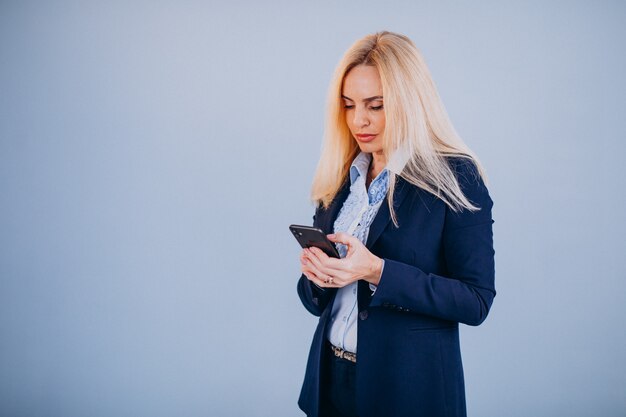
{"type": "Point", "coordinates": [418, 133]}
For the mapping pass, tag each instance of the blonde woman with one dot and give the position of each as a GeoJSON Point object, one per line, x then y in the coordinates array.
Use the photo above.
{"type": "Point", "coordinates": [405, 201]}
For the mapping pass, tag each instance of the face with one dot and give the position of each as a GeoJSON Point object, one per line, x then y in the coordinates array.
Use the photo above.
{"type": "Point", "coordinates": [362, 96]}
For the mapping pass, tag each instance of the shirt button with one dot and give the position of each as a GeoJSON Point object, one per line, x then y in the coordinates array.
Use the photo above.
{"type": "Point", "coordinates": [363, 315]}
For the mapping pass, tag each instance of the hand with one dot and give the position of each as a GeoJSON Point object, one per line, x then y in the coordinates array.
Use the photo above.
{"type": "Point", "coordinates": [328, 272]}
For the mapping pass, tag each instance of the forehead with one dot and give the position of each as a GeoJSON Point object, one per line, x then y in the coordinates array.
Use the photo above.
{"type": "Point", "coordinates": [361, 82]}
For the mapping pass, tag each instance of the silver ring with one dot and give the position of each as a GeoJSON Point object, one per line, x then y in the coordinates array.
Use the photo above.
{"type": "Point", "coordinates": [330, 280]}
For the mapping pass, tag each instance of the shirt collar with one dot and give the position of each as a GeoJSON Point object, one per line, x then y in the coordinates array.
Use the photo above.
{"type": "Point", "coordinates": [360, 166]}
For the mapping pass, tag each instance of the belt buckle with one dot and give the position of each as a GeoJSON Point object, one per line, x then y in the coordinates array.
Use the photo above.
{"type": "Point", "coordinates": [343, 354]}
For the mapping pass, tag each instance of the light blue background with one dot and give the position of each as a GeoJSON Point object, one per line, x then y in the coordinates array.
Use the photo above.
{"type": "Point", "coordinates": [152, 155]}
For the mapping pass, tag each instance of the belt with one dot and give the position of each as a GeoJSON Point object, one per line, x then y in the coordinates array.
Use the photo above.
{"type": "Point", "coordinates": [343, 354]}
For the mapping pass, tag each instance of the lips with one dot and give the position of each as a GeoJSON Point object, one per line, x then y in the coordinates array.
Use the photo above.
{"type": "Point", "coordinates": [365, 137]}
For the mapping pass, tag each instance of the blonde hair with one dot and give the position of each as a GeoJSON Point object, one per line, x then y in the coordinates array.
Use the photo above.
{"type": "Point", "coordinates": [418, 133]}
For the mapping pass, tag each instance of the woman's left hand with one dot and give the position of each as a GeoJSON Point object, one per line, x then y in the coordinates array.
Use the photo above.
{"type": "Point", "coordinates": [359, 263]}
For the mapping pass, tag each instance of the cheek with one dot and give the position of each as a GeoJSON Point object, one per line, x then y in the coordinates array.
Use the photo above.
{"type": "Point", "coordinates": [348, 119]}
{"type": "Point", "coordinates": [380, 121]}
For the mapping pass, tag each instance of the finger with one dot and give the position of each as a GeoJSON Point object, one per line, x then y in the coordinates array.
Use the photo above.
{"type": "Point", "coordinates": [331, 265]}
{"type": "Point", "coordinates": [303, 258]}
{"type": "Point", "coordinates": [319, 272]}
{"type": "Point", "coordinates": [342, 237]}
{"type": "Point", "coordinates": [318, 281]}
{"type": "Point", "coordinates": [321, 256]}
{"type": "Point", "coordinates": [329, 279]}
{"type": "Point", "coordinates": [307, 256]}
{"type": "Point", "coordinates": [311, 275]}
{"type": "Point", "coordinates": [319, 260]}
{"type": "Point", "coordinates": [315, 280]}
{"type": "Point", "coordinates": [310, 267]}
{"type": "Point", "coordinates": [333, 279]}
{"type": "Point", "coordinates": [339, 269]}
{"type": "Point", "coordinates": [317, 253]}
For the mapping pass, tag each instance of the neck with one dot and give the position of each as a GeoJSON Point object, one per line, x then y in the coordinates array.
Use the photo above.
{"type": "Point", "coordinates": [378, 164]}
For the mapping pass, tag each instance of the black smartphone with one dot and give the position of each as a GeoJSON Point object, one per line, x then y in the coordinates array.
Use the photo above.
{"type": "Point", "coordinates": [308, 236]}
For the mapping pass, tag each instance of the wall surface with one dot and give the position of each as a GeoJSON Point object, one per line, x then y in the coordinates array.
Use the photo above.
{"type": "Point", "coordinates": [152, 155]}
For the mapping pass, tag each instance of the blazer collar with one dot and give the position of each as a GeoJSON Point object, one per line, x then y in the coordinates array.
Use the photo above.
{"type": "Point", "coordinates": [328, 216]}
{"type": "Point", "coordinates": [383, 217]}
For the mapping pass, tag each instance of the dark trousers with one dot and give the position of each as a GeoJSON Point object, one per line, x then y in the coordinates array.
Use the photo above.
{"type": "Point", "coordinates": [338, 393]}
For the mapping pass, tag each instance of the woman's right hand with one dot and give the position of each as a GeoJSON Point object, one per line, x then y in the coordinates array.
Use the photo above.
{"type": "Point", "coordinates": [312, 273]}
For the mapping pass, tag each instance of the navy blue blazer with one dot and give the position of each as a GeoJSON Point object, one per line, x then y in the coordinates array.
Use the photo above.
{"type": "Point", "coordinates": [439, 271]}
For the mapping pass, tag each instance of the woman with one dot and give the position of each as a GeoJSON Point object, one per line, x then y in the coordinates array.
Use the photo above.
{"type": "Point", "coordinates": [404, 200]}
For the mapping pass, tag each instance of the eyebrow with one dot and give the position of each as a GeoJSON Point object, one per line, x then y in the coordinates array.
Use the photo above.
{"type": "Point", "coordinates": [367, 100]}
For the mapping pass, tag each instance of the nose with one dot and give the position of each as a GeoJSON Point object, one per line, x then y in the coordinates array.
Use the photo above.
{"type": "Point", "coordinates": [360, 118]}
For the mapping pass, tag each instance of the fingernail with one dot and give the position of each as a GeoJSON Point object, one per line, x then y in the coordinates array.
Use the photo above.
{"type": "Point", "coordinates": [331, 236]}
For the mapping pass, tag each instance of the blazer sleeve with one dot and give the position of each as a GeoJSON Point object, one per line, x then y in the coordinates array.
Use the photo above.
{"type": "Point", "coordinates": [314, 298]}
{"type": "Point", "coordinates": [465, 295]}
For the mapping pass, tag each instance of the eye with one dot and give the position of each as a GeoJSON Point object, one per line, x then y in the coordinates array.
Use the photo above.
{"type": "Point", "coordinates": [348, 106]}
{"type": "Point", "coordinates": [376, 108]}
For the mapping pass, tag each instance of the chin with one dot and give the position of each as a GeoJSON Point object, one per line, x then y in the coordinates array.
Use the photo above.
{"type": "Point", "coordinates": [370, 147]}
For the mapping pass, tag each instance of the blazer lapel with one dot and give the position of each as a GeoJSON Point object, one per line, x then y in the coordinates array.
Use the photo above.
{"type": "Point", "coordinates": [327, 216]}
{"type": "Point", "coordinates": [383, 217]}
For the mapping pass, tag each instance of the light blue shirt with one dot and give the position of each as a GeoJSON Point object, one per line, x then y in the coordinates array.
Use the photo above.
{"type": "Point", "coordinates": [360, 207]}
